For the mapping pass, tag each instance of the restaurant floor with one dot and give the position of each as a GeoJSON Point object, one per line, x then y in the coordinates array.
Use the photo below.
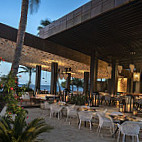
{"type": "Point", "coordinates": [63, 132]}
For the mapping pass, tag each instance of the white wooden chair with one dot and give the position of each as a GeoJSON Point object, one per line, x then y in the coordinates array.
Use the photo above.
{"type": "Point", "coordinates": [129, 128]}
{"type": "Point", "coordinates": [71, 112]}
{"type": "Point", "coordinates": [105, 122]}
{"type": "Point", "coordinates": [3, 112]}
{"type": "Point", "coordinates": [86, 117]}
{"type": "Point", "coordinates": [55, 109]}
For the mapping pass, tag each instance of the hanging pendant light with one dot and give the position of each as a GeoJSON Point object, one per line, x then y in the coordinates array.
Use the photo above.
{"type": "Point", "coordinates": [120, 69]}
{"type": "Point", "coordinates": [109, 69]}
{"type": "Point", "coordinates": [132, 66]}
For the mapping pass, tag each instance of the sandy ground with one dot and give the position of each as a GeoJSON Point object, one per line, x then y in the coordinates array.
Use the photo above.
{"type": "Point", "coordinates": [63, 132]}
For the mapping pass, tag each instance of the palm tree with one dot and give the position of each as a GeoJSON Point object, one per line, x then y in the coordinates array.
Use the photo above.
{"type": "Point", "coordinates": [28, 70]}
{"type": "Point", "coordinates": [43, 23]}
{"type": "Point", "coordinates": [21, 31]}
{"type": "Point", "coordinates": [78, 83]}
{"type": "Point", "coordinates": [19, 131]}
{"type": "Point", "coordinates": [63, 84]}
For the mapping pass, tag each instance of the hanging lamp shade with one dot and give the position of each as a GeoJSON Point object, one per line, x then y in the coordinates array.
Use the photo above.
{"type": "Point", "coordinates": [109, 69]}
{"type": "Point", "coordinates": [132, 66]}
{"type": "Point", "coordinates": [136, 76]}
{"type": "Point", "coordinates": [120, 69]}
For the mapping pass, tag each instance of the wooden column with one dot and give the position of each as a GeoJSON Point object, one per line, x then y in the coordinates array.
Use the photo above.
{"type": "Point", "coordinates": [54, 77]}
{"type": "Point", "coordinates": [93, 73]}
{"type": "Point", "coordinates": [114, 77]}
{"type": "Point", "coordinates": [130, 84]}
{"type": "Point", "coordinates": [86, 82]}
{"type": "Point", "coordinates": [38, 79]}
{"type": "Point", "coordinates": [68, 81]}
{"type": "Point", "coordinates": [141, 82]}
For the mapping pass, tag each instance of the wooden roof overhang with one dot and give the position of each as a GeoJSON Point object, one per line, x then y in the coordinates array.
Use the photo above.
{"type": "Point", "coordinates": [114, 34]}
{"type": "Point", "coordinates": [37, 51]}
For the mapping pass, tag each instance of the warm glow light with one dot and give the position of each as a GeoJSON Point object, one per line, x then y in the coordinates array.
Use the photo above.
{"type": "Point", "coordinates": [122, 85]}
{"type": "Point", "coordinates": [136, 76]}
{"type": "Point", "coordinates": [82, 71]}
{"type": "Point", "coordinates": [120, 69]}
{"type": "Point", "coordinates": [131, 66]}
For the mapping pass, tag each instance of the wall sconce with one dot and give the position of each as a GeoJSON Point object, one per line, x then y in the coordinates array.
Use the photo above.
{"type": "Point", "coordinates": [120, 69]}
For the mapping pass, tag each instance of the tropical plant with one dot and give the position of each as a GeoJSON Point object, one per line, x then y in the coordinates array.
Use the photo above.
{"type": "Point", "coordinates": [19, 131]}
{"type": "Point", "coordinates": [43, 23]}
{"type": "Point", "coordinates": [77, 99]}
{"type": "Point", "coordinates": [63, 84]}
{"type": "Point", "coordinates": [77, 82]}
{"type": "Point", "coordinates": [10, 86]}
{"type": "Point", "coordinates": [28, 70]}
{"type": "Point", "coordinates": [21, 31]}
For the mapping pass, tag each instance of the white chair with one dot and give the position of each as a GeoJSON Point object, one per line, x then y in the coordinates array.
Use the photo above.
{"type": "Point", "coordinates": [3, 112]}
{"type": "Point", "coordinates": [71, 112]}
{"type": "Point", "coordinates": [45, 105]}
{"type": "Point", "coordinates": [108, 99]}
{"type": "Point", "coordinates": [55, 109]}
{"type": "Point", "coordinates": [26, 97]}
{"type": "Point", "coordinates": [102, 113]}
{"type": "Point", "coordinates": [129, 128]}
{"type": "Point", "coordinates": [106, 122]}
{"type": "Point", "coordinates": [86, 117]}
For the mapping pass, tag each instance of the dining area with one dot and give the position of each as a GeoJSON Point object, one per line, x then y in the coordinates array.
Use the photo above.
{"type": "Point", "coordinates": [105, 121]}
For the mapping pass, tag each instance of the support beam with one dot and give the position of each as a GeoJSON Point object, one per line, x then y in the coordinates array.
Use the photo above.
{"type": "Point", "coordinates": [86, 82]}
{"type": "Point", "coordinates": [130, 84]}
{"type": "Point", "coordinates": [114, 77]}
{"type": "Point", "coordinates": [54, 75]}
{"type": "Point", "coordinates": [68, 81]}
{"type": "Point", "coordinates": [38, 79]}
{"type": "Point", "coordinates": [141, 82]}
{"type": "Point", "coordinates": [93, 73]}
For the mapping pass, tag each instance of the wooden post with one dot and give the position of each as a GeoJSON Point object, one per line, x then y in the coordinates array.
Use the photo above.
{"type": "Point", "coordinates": [86, 82]}
{"type": "Point", "coordinates": [38, 79]}
{"type": "Point", "coordinates": [54, 77]}
{"type": "Point", "coordinates": [68, 81]}
{"type": "Point", "coordinates": [93, 73]}
{"type": "Point", "coordinates": [114, 77]}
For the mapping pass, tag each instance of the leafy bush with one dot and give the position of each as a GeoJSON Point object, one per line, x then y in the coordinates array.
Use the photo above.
{"type": "Point", "coordinates": [77, 99]}
{"type": "Point", "coordinates": [19, 131]}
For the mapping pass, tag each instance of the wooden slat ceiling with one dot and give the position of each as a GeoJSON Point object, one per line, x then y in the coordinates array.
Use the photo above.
{"type": "Point", "coordinates": [113, 34]}
{"type": "Point", "coordinates": [31, 57]}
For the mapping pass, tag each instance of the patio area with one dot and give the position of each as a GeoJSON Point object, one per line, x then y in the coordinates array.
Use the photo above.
{"type": "Point", "coordinates": [63, 132]}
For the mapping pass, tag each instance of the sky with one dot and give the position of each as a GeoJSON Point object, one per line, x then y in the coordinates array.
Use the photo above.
{"type": "Point", "coordinates": [52, 9]}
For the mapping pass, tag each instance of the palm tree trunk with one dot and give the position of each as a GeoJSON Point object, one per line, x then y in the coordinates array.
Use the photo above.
{"type": "Point", "coordinates": [20, 37]}
{"type": "Point", "coordinates": [77, 89]}
{"type": "Point", "coordinates": [30, 75]}
{"type": "Point", "coordinates": [72, 87]}
{"type": "Point", "coordinates": [59, 87]}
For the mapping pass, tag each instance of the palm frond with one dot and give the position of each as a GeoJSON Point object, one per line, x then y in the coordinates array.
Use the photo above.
{"type": "Point", "coordinates": [34, 4]}
{"type": "Point", "coordinates": [22, 71]}
{"type": "Point", "coordinates": [36, 127]}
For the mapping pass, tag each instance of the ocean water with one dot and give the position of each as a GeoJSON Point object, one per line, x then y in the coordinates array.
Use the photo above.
{"type": "Point", "coordinates": [47, 87]}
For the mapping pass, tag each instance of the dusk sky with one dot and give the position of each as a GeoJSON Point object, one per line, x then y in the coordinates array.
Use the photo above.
{"type": "Point", "coordinates": [51, 9]}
